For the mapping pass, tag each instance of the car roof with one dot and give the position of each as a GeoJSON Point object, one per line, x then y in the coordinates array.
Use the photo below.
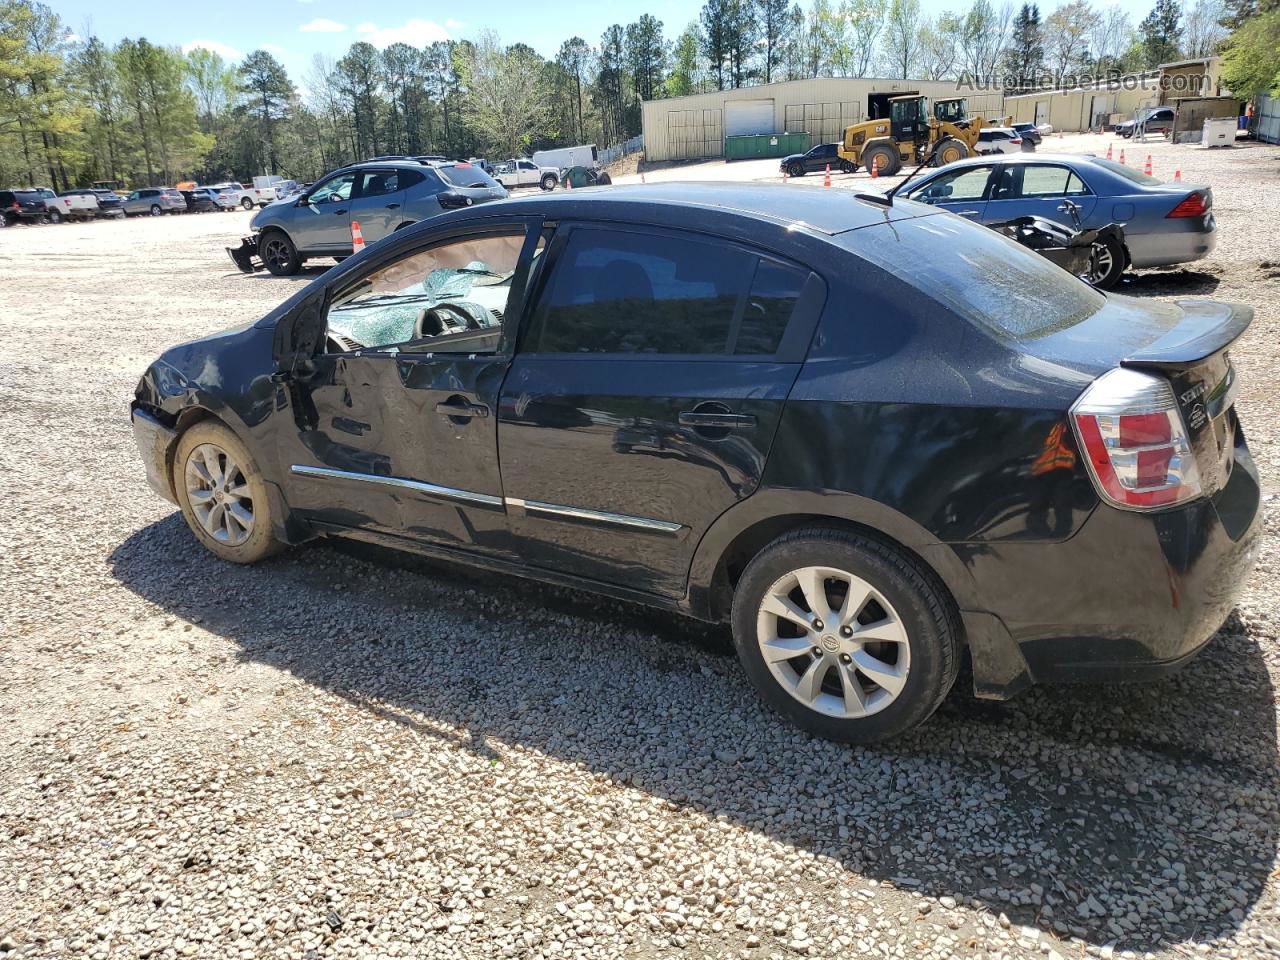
{"type": "Point", "coordinates": [817, 209]}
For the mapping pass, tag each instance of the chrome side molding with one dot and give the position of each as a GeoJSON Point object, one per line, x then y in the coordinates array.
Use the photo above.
{"type": "Point", "coordinates": [432, 489]}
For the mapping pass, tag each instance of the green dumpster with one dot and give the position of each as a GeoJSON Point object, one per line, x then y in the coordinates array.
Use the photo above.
{"type": "Point", "coordinates": [757, 145]}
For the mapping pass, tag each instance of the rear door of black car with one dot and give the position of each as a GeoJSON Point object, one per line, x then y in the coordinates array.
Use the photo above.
{"type": "Point", "coordinates": [644, 396]}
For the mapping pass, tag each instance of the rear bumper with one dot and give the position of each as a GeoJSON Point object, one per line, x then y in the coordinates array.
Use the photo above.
{"type": "Point", "coordinates": [1131, 596]}
{"type": "Point", "coordinates": [1167, 248]}
{"type": "Point", "coordinates": [154, 441]}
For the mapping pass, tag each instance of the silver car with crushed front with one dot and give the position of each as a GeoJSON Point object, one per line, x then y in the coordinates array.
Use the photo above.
{"type": "Point", "coordinates": [380, 196]}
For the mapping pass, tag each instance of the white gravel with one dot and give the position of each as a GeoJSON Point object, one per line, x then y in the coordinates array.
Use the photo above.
{"type": "Point", "coordinates": [342, 753]}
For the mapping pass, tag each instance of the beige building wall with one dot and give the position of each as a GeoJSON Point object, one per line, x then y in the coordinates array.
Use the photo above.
{"type": "Point", "coordinates": [692, 127]}
{"type": "Point", "coordinates": [1078, 109]}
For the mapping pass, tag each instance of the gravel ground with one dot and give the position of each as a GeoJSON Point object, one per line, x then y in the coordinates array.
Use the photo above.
{"type": "Point", "coordinates": [341, 753]}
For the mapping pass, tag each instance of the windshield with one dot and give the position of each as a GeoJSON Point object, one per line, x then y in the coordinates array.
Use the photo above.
{"type": "Point", "coordinates": [465, 175]}
{"type": "Point", "coordinates": [1129, 173]}
{"type": "Point", "coordinates": [983, 276]}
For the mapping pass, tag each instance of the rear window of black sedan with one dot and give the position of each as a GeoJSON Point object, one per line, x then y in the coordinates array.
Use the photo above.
{"type": "Point", "coordinates": [983, 276]}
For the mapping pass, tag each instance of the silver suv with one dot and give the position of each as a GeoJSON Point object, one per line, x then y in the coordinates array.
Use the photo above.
{"type": "Point", "coordinates": [381, 196]}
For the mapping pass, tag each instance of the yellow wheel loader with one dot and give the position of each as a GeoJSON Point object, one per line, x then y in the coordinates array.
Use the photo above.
{"type": "Point", "coordinates": [910, 134]}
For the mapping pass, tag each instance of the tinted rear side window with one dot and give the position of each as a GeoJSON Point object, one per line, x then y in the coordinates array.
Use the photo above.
{"type": "Point", "coordinates": [982, 275]}
{"type": "Point", "coordinates": [623, 292]}
{"type": "Point", "coordinates": [465, 175]}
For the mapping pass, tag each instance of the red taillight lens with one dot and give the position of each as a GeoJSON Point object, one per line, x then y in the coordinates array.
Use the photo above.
{"type": "Point", "coordinates": [1135, 443]}
{"type": "Point", "coordinates": [1015, 140]}
{"type": "Point", "coordinates": [1192, 206]}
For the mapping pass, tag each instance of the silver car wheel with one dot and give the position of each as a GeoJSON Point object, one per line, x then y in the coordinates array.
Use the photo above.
{"type": "Point", "coordinates": [833, 642]}
{"type": "Point", "coordinates": [1100, 264]}
{"type": "Point", "coordinates": [219, 494]}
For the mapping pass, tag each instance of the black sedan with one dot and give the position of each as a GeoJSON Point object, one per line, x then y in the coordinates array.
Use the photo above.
{"type": "Point", "coordinates": [817, 160]}
{"type": "Point", "coordinates": [1029, 131]}
{"type": "Point", "coordinates": [866, 434]}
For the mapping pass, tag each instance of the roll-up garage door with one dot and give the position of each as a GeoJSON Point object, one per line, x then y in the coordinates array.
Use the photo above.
{"type": "Point", "coordinates": [745, 117]}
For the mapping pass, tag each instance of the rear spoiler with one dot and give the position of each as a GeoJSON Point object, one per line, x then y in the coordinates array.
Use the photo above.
{"type": "Point", "coordinates": [1207, 327]}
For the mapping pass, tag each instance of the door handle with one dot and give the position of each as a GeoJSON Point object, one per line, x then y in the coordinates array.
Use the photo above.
{"type": "Point", "coordinates": [458, 408]}
{"type": "Point", "coordinates": [340, 212]}
{"type": "Point", "coordinates": [729, 421]}
{"type": "Point", "coordinates": [393, 206]}
{"type": "Point", "coordinates": [965, 213]}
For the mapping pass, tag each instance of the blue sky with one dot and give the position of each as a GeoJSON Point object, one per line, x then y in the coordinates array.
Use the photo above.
{"type": "Point", "coordinates": [294, 30]}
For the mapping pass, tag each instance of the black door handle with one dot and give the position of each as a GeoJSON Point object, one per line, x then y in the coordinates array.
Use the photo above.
{"type": "Point", "coordinates": [729, 421]}
{"type": "Point", "coordinates": [458, 408]}
{"type": "Point", "coordinates": [393, 206]}
{"type": "Point", "coordinates": [339, 212]}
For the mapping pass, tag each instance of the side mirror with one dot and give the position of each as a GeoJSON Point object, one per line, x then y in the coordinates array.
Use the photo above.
{"type": "Point", "coordinates": [303, 202]}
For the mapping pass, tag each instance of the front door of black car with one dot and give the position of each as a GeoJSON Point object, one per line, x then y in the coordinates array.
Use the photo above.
{"type": "Point", "coordinates": [820, 156]}
{"type": "Point", "coordinates": [397, 423]}
{"type": "Point", "coordinates": [644, 397]}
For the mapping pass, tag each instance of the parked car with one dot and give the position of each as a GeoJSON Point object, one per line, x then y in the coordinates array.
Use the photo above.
{"type": "Point", "coordinates": [519, 172]}
{"type": "Point", "coordinates": [1028, 131]}
{"type": "Point", "coordinates": [381, 197]}
{"type": "Point", "coordinates": [1164, 223]}
{"type": "Point", "coordinates": [22, 205]}
{"type": "Point", "coordinates": [561, 158]}
{"type": "Point", "coordinates": [246, 197]}
{"type": "Point", "coordinates": [815, 161]}
{"type": "Point", "coordinates": [998, 140]}
{"type": "Point", "coordinates": [110, 204]}
{"type": "Point", "coordinates": [68, 206]}
{"type": "Point", "coordinates": [483, 164]}
{"type": "Point", "coordinates": [733, 401]}
{"type": "Point", "coordinates": [264, 188]}
{"type": "Point", "coordinates": [199, 201]}
{"type": "Point", "coordinates": [154, 201]}
{"type": "Point", "coordinates": [1151, 119]}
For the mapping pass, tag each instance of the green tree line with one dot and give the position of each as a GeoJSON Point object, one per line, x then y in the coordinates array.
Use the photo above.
{"type": "Point", "coordinates": [74, 111]}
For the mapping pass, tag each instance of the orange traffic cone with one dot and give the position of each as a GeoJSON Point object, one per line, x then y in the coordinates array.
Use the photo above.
{"type": "Point", "coordinates": [1108, 151]}
{"type": "Point", "coordinates": [784, 176]}
{"type": "Point", "coordinates": [1147, 168]}
{"type": "Point", "coordinates": [826, 180]}
{"type": "Point", "coordinates": [1177, 175]}
{"type": "Point", "coordinates": [642, 178]}
{"type": "Point", "coordinates": [875, 166]}
{"type": "Point", "coordinates": [568, 184]}
{"type": "Point", "coordinates": [357, 238]}
{"type": "Point", "coordinates": [1122, 154]}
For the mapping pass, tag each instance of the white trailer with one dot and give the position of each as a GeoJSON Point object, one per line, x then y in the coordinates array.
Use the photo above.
{"type": "Point", "coordinates": [566, 157]}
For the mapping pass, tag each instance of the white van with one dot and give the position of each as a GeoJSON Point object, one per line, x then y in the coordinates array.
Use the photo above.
{"type": "Point", "coordinates": [566, 157]}
{"type": "Point", "coordinates": [264, 188]}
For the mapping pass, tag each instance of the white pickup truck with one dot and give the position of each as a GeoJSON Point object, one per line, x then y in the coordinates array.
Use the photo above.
{"type": "Point", "coordinates": [68, 208]}
{"type": "Point", "coordinates": [519, 172]}
{"type": "Point", "coordinates": [247, 197]}
{"type": "Point", "coordinates": [265, 188]}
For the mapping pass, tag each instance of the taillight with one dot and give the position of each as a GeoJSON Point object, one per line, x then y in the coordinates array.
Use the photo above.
{"type": "Point", "coordinates": [1135, 442]}
{"type": "Point", "coordinates": [1193, 206]}
{"type": "Point", "coordinates": [1015, 139]}
{"type": "Point", "coordinates": [453, 201]}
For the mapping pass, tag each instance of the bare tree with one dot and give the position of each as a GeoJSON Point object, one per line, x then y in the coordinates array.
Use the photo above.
{"type": "Point", "coordinates": [902, 36]}
{"type": "Point", "coordinates": [1066, 36]}
{"type": "Point", "coordinates": [1110, 38]}
{"type": "Point", "coordinates": [939, 42]}
{"type": "Point", "coordinates": [1202, 30]}
{"type": "Point", "coordinates": [865, 20]}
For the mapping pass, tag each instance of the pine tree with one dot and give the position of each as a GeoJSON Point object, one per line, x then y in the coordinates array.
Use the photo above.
{"type": "Point", "coordinates": [1024, 59]}
{"type": "Point", "coordinates": [1161, 34]}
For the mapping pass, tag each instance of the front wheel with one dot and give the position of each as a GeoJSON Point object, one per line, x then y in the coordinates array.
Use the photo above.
{"type": "Point", "coordinates": [1106, 264]}
{"type": "Point", "coordinates": [55, 216]}
{"type": "Point", "coordinates": [796, 170]}
{"type": "Point", "coordinates": [548, 182]}
{"type": "Point", "coordinates": [223, 495]}
{"type": "Point", "coordinates": [844, 635]}
{"type": "Point", "coordinates": [279, 254]}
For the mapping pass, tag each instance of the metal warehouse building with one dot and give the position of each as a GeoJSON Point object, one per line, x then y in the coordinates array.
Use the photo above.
{"type": "Point", "coordinates": [694, 127]}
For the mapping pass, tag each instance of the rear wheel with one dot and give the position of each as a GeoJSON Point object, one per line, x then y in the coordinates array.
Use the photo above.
{"type": "Point", "coordinates": [55, 216]}
{"type": "Point", "coordinates": [844, 635]}
{"type": "Point", "coordinates": [246, 203]}
{"type": "Point", "coordinates": [885, 156]}
{"type": "Point", "coordinates": [848, 166]}
{"type": "Point", "coordinates": [279, 254]}
{"type": "Point", "coordinates": [223, 495]}
{"type": "Point", "coordinates": [155, 210]}
{"type": "Point", "coordinates": [1107, 263]}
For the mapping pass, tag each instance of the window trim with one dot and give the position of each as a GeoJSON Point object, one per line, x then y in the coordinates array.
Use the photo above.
{"type": "Point", "coordinates": [1022, 179]}
{"type": "Point", "coordinates": [989, 166]}
{"type": "Point", "coordinates": [792, 347]}
{"type": "Point", "coordinates": [515, 298]}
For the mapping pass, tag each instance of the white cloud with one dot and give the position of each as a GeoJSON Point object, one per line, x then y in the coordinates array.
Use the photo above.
{"type": "Point", "coordinates": [221, 49]}
{"type": "Point", "coordinates": [272, 48]}
{"type": "Point", "coordinates": [452, 24]}
{"type": "Point", "coordinates": [323, 25]}
{"type": "Point", "coordinates": [72, 37]}
{"type": "Point", "coordinates": [366, 28]}
{"type": "Point", "coordinates": [416, 33]}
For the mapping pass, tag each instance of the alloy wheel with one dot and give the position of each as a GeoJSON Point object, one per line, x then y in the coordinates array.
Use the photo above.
{"type": "Point", "coordinates": [1100, 264]}
{"type": "Point", "coordinates": [833, 642]}
{"type": "Point", "coordinates": [219, 494]}
{"type": "Point", "coordinates": [275, 252]}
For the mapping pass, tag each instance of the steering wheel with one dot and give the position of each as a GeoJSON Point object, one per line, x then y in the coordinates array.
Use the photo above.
{"type": "Point", "coordinates": [443, 318]}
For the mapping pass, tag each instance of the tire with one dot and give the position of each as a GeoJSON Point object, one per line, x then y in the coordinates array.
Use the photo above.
{"type": "Point", "coordinates": [949, 151]}
{"type": "Point", "coordinates": [548, 182]}
{"type": "Point", "coordinates": [55, 216]}
{"type": "Point", "coordinates": [279, 254]}
{"type": "Point", "coordinates": [246, 203]}
{"type": "Point", "coordinates": [201, 465]}
{"type": "Point", "coordinates": [797, 170]}
{"type": "Point", "coordinates": [890, 160]}
{"type": "Point", "coordinates": [1110, 262]}
{"type": "Point", "coordinates": [848, 166]}
{"type": "Point", "coordinates": [900, 594]}
{"type": "Point", "coordinates": [155, 210]}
